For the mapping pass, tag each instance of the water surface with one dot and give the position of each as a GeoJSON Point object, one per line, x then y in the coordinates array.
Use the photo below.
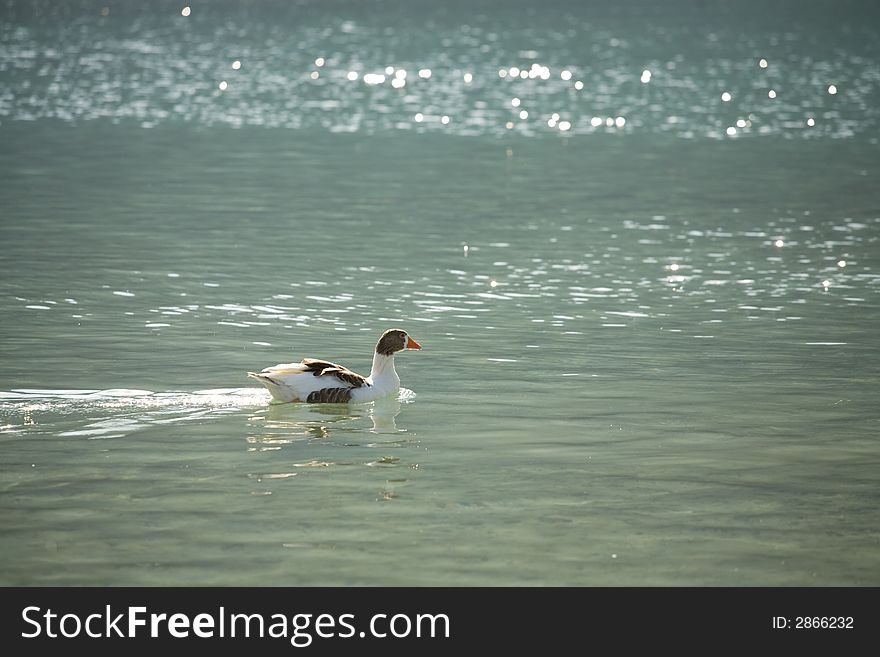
{"type": "Point", "coordinates": [650, 352]}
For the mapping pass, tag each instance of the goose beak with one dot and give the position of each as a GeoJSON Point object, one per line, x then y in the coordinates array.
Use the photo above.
{"type": "Point", "coordinates": [412, 344]}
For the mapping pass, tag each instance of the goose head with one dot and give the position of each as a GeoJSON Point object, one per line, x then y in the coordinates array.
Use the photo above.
{"type": "Point", "coordinates": [394, 340]}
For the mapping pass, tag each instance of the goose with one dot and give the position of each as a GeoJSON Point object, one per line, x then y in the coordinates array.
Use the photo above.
{"type": "Point", "coordinates": [322, 382]}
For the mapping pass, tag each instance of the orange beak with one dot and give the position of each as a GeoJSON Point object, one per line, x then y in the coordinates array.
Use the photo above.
{"type": "Point", "coordinates": [412, 344]}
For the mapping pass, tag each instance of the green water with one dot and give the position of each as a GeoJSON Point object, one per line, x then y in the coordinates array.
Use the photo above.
{"type": "Point", "coordinates": [655, 363]}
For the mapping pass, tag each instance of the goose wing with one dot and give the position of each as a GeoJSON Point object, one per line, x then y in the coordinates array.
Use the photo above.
{"type": "Point", "coordinates": [325, 368]}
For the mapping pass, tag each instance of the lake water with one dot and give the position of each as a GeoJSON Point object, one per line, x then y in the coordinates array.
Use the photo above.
{"type": "Point", "coordinates": [647, 292]}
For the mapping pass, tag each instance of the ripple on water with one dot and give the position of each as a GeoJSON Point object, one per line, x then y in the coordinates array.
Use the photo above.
{"type": "Point", "coordinates": [128, 410]}
{"type": "Point", "coordinates": [580, 79]}
{"type": "Point", "coordinates": [121, 412]}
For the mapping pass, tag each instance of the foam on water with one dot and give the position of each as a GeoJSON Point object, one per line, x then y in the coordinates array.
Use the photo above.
{"type": "Point", "coordinates": [121, 412]}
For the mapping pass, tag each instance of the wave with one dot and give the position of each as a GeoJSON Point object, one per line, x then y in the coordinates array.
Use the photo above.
{"type": "Point", "coordinates": [117, 412]}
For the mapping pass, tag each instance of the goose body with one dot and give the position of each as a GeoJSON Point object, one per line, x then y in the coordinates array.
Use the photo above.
{"type": "Point", "coordinates": [320, 381]}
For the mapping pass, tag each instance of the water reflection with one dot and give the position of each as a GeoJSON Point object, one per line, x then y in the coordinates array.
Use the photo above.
{"type": "Point", "coordinates": [287, 423]}
{"type": "Point", "coordinates": [329, 437]}
{"type": "Point", "coordinates": [465, 75]}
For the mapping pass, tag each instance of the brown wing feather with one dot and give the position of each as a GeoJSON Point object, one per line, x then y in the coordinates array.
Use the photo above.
{"type": "Point", "coordinates": [330, 396]}
{"type": "Point", "coordinates": [326, 368]}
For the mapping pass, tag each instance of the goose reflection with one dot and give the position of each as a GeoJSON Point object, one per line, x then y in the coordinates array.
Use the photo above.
{"type": "Point", "coordinates": [286, 423]}
{"type": "Point", "coordinates": [384, 414]}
